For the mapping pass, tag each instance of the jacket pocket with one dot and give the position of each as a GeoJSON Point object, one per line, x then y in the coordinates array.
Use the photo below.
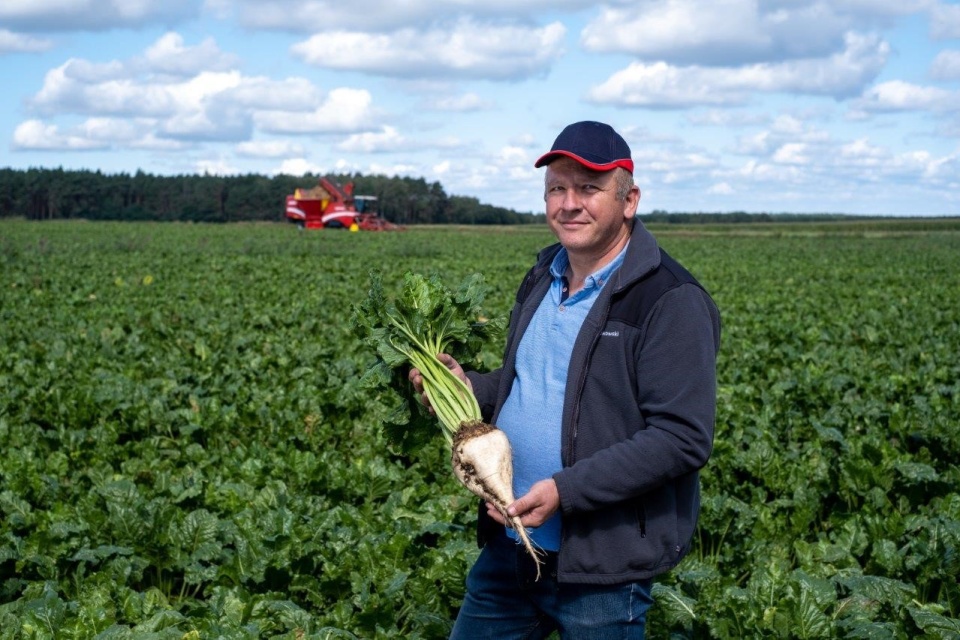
{"type": "Point", "coordinates": [614, 541]}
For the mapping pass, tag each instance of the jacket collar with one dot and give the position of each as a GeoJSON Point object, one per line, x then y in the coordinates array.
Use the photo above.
{"type": "Point", "coordinates": [643, 256]}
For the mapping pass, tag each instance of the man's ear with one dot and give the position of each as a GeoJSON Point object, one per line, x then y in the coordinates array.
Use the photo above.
{"type": "Point", "coordinates": [632, 202]}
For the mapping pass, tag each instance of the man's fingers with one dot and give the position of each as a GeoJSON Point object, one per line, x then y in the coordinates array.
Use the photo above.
{"type": "Point", "coordinates": [518, 508]}
{"type": "Point", "coordinates": [495, 514]}
{"type": "Point", "coordinates": [450, 363]}
{"type": "Point", "coordinates": [415, 377]}
{"type": "Point", "coordinates": [536, 507]}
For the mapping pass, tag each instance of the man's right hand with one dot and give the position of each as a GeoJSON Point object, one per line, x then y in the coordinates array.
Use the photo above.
{"type": "Point", "coordinates": [534, 508]}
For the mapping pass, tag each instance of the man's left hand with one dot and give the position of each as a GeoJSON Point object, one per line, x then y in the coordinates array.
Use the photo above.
{"type": "Point", "coordinates": [535, 508]}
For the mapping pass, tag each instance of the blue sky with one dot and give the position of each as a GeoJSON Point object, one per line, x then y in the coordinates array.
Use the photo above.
{"type": "Point", "coordinates": [840, 106]}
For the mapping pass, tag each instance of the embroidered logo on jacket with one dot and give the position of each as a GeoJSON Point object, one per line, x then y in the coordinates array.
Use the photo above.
{"type": "Point", "coordinates": [611, 334]}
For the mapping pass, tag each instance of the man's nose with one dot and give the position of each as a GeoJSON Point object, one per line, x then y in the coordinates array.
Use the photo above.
{"type": "Point", "coordinates": [571, 200]}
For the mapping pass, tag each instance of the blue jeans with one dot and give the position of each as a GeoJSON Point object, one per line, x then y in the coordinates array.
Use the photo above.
{"type": "Point", "coordinates": [505, 602]}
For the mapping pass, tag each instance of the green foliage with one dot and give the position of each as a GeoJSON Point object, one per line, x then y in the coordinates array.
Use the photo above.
{"type": "Point", "coordinates": [423, 320]}
{"type": "Point", "coordinates": [830, 502]}
{"type": "Point", "coordinates": [189, 451]}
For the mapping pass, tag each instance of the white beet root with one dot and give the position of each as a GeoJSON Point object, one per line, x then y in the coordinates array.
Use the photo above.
{"type": "Point", "coordinates": [483, 462]}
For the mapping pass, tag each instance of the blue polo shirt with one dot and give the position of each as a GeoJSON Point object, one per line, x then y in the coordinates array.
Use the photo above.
{"type": "Point", "coordinates": [532, 414]}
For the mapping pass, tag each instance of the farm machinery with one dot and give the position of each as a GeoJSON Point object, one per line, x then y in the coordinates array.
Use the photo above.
{"type": "Point", "coordinates": [328, 206]}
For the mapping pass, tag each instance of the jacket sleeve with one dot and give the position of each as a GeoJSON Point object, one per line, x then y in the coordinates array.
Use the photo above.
{"type": "Point", "coordinates": [676, 397]}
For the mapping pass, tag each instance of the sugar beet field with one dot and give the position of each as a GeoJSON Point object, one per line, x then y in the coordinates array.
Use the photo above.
{"type": "Point", "coordinates": [188, 451]}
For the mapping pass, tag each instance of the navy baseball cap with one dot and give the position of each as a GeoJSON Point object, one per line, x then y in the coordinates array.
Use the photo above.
{"type": "Point", "coordinates": [595, 145]}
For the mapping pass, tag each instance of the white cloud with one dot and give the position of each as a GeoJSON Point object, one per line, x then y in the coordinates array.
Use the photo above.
{"type": "Point", "coordinates": [897, 95]}
{"type": "Point", "coordinates": [209, 124]}
{"type": "Point", "coordinates": [786, 136]}
{"type": "Point", "coordinates": [387, 139]}
{"type": "Point", "coordinates": [463, 103]}
{"type": "Point", "coordinates": [93, 15]}
{"type": "Point", "coordinates": [192, 94]}
{"type": "Point", "coordinates": [259, 93]}
{"type": "Point", "coordinates": [115, 87]}
{"type": "Point", "coordinates": [787, 124]}
{"type": "Point", "coordinates": [378, 16]}
{"type": "Point", "coordinates": [736, 32]}
{"type": "Point", "coordinates": [514, 155]}
{"type": "Point", "coordinates": [943, 170]}
{"type": "Point", "coordinates": [92, 134]}
{"type": "Point", "coordinates": [34, 134]}
{"type": "Point", "coordinates": [83, 71]}
{"type": "Point", "coordinates": [317, 15]}
{"type": "Point", "coordinates": [112, 130]}
{"type": "Point", "coordinates": [862, 153]}
{"type": "Point", "coordinates": [922, 166]}
{"type": "Point", "coordinates": [80, 87]}
{"type": "Point", "coordinates": [727, 118]}
{"type": "Point", "coordinates": [721, 189]}
{"type": "Point", "coordinates": [344, 111]}
{"type": "Point", "coordinates": [18, 9]}
{"type": "Point", "coordinates": [269, 149]}
{"type": "Point", "coordinates": [187, 93]}
{"type": "Point", "coordinates": [757, 171]}
{"type": "Point", "coordinates": [466, 50]}
{"type": "Point", "coordinates": [396, 169]}
{"type": "Point", "coordinates": [151, 142]}
{"type": "Point", "coordinates": [524, 140]}
{"type": "Point", "coordinates": [792, 153]}
{"type": "Point", "coordinates": [945, 21]}
{"type": "Point", "coordinates": [946, 66]}
{"type": "Point", "coordinates": [169, 55]}
{"type": "Point", "coordinates": [837, 168]}
{"type": "Point", "coordinates": [672, 166]}
{"type": "Point", "coordinates": [662, 85]}
{"type": "Point", "coordinates": [11, 42]}
{"type": "Point", "coordinates": [754, 144]}
{"type": "Point", "coordinates": [790, 126]}
{"type": "Point", "coordinates": [718, 33]}
{"type": "Point", "coordinates": [220, 9]}
{"type": "Point", "coordinates": [867, 12]}
{"type": "Point", "coordinates": [299, 167]}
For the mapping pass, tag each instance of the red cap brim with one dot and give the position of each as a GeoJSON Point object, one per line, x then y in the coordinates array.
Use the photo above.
{"type": "Point", "coordinates": [550, 156]}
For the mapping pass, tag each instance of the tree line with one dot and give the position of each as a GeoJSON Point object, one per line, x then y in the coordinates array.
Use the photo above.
{"type": "Point", "coordinates": [56, 194]}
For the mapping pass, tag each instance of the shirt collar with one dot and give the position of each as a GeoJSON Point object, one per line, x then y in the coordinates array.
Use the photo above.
{"type": "Point", "coordinates": [561, 261]}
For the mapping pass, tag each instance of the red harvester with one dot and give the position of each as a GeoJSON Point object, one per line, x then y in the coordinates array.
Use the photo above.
{"type": "Point", "coordinates": [327, 206]}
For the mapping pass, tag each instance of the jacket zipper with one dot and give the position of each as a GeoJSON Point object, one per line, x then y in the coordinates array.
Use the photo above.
{"type": "Point", "coordinates": [582, 377]}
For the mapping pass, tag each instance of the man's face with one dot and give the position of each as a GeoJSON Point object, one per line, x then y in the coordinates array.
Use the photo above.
{"type": "Point", "coordinates": [583, 210]}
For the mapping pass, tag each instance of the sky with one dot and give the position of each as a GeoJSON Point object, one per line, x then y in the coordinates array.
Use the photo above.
{"type": "Point", "coordinates": [798, 106]}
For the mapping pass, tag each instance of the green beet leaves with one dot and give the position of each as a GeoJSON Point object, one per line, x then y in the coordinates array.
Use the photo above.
{"type": "Point", "coordinates": [409, 329]}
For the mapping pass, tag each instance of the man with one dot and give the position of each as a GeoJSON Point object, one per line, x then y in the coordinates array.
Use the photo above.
{"type": "Point", "coordinates": [608, 394]}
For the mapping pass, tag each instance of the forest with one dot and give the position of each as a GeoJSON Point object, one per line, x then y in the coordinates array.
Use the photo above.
{"type": "Point", "coordinates": [59, 194]}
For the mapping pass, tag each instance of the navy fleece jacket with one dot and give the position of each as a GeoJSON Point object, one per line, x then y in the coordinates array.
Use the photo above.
{"type": "Point", "coordinates": [638, 415]}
